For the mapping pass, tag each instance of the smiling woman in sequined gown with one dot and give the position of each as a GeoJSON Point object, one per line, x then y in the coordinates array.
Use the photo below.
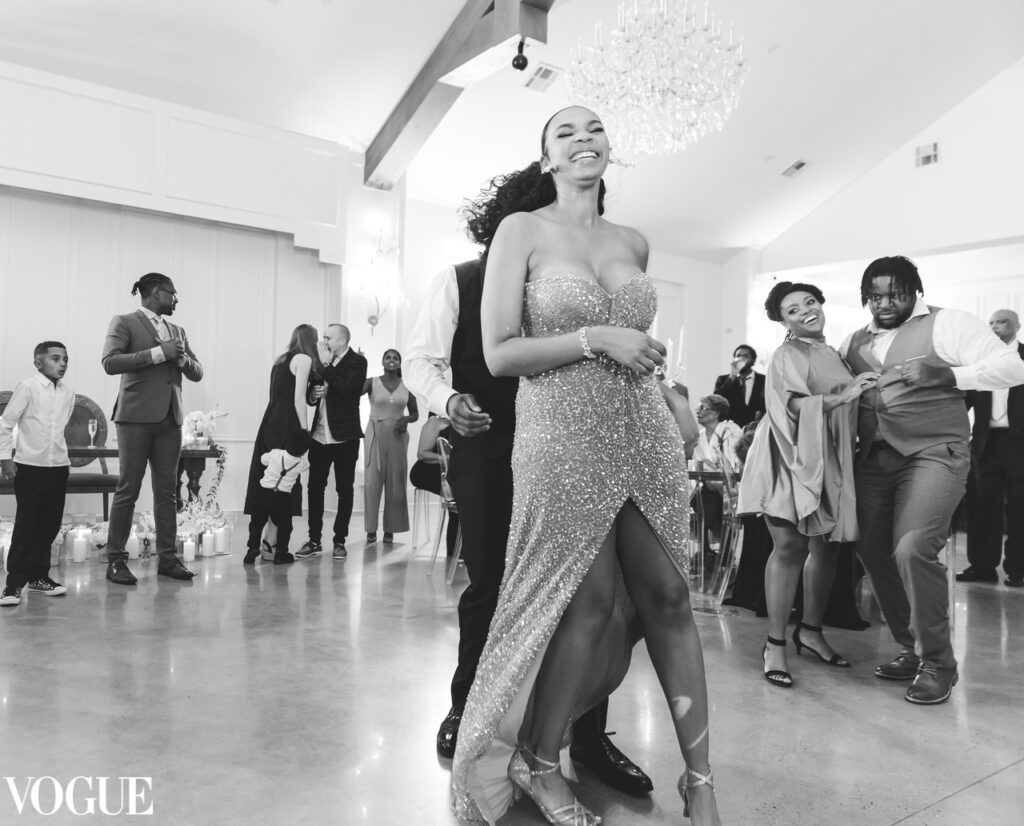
{"type": "Point", "coordinates": [595, 553]}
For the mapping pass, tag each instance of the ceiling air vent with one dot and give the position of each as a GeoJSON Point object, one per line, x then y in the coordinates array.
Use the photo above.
{"type": "Point", "coordinates": [542, 78]}
{"type": "Point", "coordinates": [927, 154]}
{"type": "Point", "coordinates": [794, 169]}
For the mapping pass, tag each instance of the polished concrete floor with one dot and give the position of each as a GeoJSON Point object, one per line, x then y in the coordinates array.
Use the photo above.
{"type": "Point", "coordinates": [311, 693]}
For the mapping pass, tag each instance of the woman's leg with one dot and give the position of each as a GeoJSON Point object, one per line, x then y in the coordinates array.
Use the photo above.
{"type": "Point", "coordinates": [781, 576]}
{"type": "Point", "coordinates": [819, 573]}
{"type": "Point", "coordinates": [662, 600]}
{"type": "Point", "coordinates": [561, 675]}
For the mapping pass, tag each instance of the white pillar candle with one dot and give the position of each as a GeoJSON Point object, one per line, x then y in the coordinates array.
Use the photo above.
{"type": "Point", "coordinates": [221, 540]}
{"type": "Point", "coordinates": [132, 546]}
{"type": "Point", "coordinates": [189, 550]}
{"type": "Point", "coordinates": [79, 548]}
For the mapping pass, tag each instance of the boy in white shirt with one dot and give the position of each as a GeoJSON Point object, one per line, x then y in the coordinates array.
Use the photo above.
{"type": "Point", "coordinates": [283, 470]}
{"type": "Point", "coordinates": [40, 408]}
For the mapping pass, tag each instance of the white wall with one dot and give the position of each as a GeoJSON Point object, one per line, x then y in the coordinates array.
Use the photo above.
{"type": "Point", "coordinates": [67, 266]}
{"type": "Point", "coordinates": [69, 137]}
{"type": "Point", "coordinates": [701, 317]}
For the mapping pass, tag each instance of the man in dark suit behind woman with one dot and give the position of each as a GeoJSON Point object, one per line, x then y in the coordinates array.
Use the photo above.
{"type": "Point", "coordinates": [151, 355]}
{"type": "Point", "coordinates": [336, 434]}
{"type": "Point", "coordinates": [742, 387]}
{"type": "Point", "coordinates": [996, 484]}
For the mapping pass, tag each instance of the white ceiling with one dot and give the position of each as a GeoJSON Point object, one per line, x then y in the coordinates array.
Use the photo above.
{"type": "Point", "coordinates": [837, 83]}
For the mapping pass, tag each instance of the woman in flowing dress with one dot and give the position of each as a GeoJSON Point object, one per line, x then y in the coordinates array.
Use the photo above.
{"type": "Point", "coordinates": [595, 554]}
{"type": "Point", "coordinates": [799, 472]}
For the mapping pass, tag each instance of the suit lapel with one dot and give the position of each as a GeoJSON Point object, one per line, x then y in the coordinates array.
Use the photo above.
{"type": "Point", "coordinates": [147, 325]}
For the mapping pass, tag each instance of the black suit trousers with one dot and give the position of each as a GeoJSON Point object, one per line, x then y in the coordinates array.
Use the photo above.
{"type": "Point", "coordinates": [483, 492]}
{"type": "Point", "coordinates": [996, 498]}
{"type": "Point", "coordinates": [39, 492]}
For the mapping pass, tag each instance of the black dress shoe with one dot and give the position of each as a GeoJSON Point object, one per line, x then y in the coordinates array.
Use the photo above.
{"type": "Point", "coordinates": [448, 733]}
{"type": "Point", "coordinates": [972, 574]}
{"type": "Point", "coordinates": [1014, 581]}
{"type": "Point", "coordinates": [118, 572]}
{"type": "Point", "coordinates": [176, 571]}
{"type": "Point", "coordinates": [600, 755]}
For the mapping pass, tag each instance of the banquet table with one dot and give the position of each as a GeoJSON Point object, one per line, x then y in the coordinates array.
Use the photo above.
{"type": "Point", "coordinates": [191, 464]}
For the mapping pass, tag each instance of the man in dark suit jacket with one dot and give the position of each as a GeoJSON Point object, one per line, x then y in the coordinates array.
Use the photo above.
{"type": "Point", "coordinates": [996, 488]}
{"type": "Point", "coordinates": [742, 387]}
{"type": "Point", "coordinates": [151, 355]}
{"type": "Point", "coordinates": [336, 433]}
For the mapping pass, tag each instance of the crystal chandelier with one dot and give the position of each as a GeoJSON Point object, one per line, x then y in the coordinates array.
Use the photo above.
{"type": "Point", "coordinates": [665, 77]}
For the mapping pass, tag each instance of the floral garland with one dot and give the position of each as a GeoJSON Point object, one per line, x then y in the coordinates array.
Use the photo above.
{"type": "Point", "coordinates": [204, 513]}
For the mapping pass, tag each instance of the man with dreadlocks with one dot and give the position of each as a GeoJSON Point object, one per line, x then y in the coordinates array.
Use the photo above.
{"type": "Point", "coordinates": [151, 355]}
{"type": "Point", "coordinates": [913, 458]}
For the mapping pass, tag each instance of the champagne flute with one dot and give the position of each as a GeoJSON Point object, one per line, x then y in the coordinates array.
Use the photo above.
{"type": "Point", "coordinates": [93, 425]}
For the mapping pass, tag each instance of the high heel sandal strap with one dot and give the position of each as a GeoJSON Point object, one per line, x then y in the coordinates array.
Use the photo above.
{"type": "Point", "coordinates": [780, 643]}
{"type": "Point", "coordinates": [815, 628]}
{"type": "Point", "coordinates": [699, 779]}
{"type": "Point", "coordinates": [549, 767]}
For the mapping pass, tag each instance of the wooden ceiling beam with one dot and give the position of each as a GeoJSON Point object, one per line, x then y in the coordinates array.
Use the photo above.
{"type": "Point", "coordinates": [480, 25]}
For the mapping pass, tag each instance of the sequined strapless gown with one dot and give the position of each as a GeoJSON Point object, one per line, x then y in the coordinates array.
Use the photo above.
{"type": "Point", "coordinates": [589, 437]}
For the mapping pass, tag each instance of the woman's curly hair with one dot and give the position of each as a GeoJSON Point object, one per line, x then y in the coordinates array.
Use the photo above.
{"type": "Point", "coordinates": [524, 190]}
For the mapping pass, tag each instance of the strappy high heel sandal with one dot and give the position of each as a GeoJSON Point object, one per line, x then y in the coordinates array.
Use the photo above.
{"type": "Point", "coordinates": [572, 814]}
{"type": "Point", "coordinates": [266, 551]}
{"type": "Point", "coordinates": [783, 679]}
{"type": "Point", "coordinates": [834, 660]}
{"type": "Point", "coordinates": [690, 780]}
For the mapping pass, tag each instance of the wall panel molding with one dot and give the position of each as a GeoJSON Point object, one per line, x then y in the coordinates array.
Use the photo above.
{"type": "Point", "coordinates": [69, 137]}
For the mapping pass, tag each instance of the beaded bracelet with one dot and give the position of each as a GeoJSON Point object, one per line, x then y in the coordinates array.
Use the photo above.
{"type": "Point", "coordinates": [587, 352]}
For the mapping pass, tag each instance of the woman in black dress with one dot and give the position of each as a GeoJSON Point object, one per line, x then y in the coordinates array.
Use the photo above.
{"type": "Point", "coordinates": [285, 412]}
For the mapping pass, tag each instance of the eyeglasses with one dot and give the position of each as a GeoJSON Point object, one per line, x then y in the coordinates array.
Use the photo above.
{"type": "Point", "coordinates": [894, 298]}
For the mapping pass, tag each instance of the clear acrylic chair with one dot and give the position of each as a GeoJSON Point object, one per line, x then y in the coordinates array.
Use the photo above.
{"type": "Point", "coordinates": [447, 509]}
{"type": "Point", "coordinates": [714, 568]}
{"type": "Point", "coordinates": [424, 502]}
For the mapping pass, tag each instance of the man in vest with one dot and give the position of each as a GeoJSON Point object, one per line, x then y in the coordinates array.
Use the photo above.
{"type": "Point", "coordinates": [913, 459]}
{"type": "Point", "coordinates": [482, 412]}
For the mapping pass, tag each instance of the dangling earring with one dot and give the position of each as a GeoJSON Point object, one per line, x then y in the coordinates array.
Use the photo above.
{"type": "Point", "coordinates": [614, 160]}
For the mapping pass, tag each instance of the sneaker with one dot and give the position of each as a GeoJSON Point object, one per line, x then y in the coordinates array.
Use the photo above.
{"type": "Point", "coordinates": [10, 596]}
{"type": "Point", "coordinates": [47, 587]}
{"type": "Point", "coordinates": [371, 538]}
{"type": "Point", "coordinates": [339, 551]}
{"type": "Point", "coordinates": [389, 538]}
{"type": "Point", "coordinates": [309, 549]}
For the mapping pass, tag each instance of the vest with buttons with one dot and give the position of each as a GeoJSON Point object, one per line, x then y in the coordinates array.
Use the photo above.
{"type": "Point", "coordinates": [909, 417]}
{"type": "Point", "coordinates": [496, 396]}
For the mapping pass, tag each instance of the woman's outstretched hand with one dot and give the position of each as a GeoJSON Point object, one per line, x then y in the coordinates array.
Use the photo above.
{"type": "Point", "coordinates": [862, 382]}
{"type": "Point", "coordinates": [631, 348]}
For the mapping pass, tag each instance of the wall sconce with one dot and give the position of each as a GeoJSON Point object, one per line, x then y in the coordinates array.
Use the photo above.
{"type": "Point", "coordinates": [379, 285]}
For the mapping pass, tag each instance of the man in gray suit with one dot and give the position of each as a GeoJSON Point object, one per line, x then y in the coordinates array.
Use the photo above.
{"type": "Point", "coordinates": [151, 355]}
